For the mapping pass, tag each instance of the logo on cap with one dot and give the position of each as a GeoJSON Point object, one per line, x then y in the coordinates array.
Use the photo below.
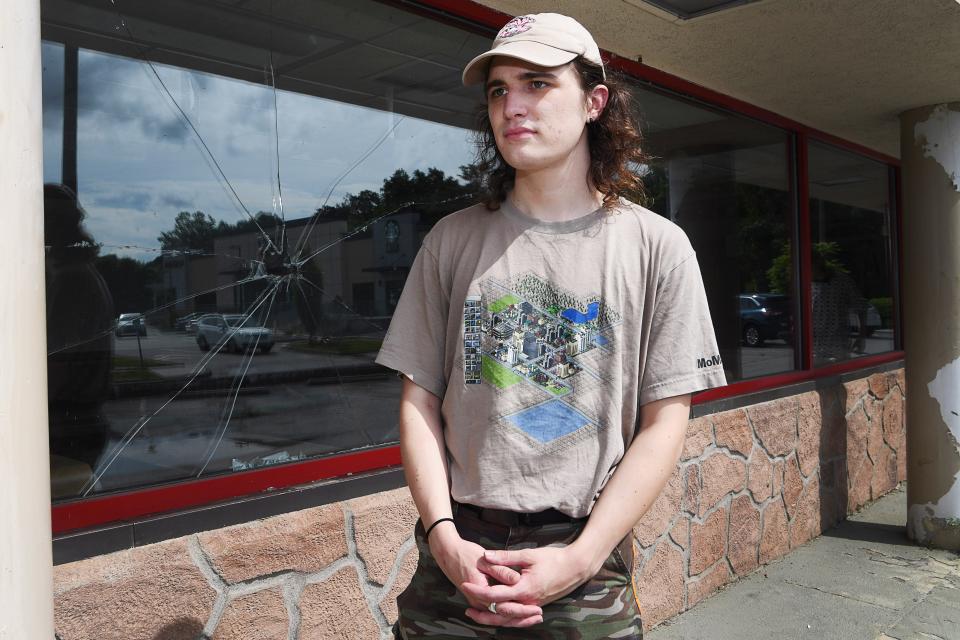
{"type": "Point", "coordinates": [515, 26]}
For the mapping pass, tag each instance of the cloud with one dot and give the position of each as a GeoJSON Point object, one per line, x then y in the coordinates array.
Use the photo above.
{"type": "Point", "coordinates": [138, 200]}
{"type": "Point", "coordinates": [175, 202]}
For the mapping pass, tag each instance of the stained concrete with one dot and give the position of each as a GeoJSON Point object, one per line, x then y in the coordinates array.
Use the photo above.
{"type": "Point", "coordinates": [862, 579]}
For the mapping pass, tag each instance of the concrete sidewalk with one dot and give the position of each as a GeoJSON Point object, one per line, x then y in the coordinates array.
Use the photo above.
{"type": "Point", "coordinates": [861, 579]}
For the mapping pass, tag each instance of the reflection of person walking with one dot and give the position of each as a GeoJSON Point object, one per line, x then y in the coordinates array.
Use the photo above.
{"type": "Point", "coordinates": [549, 340]}
{"type": "Point", "coordinates": [837, 306]}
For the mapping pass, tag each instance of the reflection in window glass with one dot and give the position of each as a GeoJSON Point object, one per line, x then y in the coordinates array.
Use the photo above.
{"type": "Point", "coordinates": [852, 260]}
{"type": "Point", "coordinates": [249, 197]}
{"type": "Point", "coordinates": [726, 181]}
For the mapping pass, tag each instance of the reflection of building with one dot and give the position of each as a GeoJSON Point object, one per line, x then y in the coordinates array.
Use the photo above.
{"type": "Point", "coordinates": [366, 270]}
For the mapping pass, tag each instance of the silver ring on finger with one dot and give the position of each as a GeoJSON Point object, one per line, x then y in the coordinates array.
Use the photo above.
{"type": "Point", "coordinates": [492, 607]}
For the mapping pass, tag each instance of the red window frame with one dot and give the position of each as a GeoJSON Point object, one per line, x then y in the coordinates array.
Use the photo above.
{"type": "Point", "coordinates": [123, 506]}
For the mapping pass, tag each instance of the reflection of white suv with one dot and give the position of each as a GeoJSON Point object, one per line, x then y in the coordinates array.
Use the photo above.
{"type": "Point", "coordinates": [214, 328]}
{"type": "Point", "coordinates": [131, 324]}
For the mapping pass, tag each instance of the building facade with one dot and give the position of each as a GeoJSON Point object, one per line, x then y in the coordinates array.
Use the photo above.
{"type": "Point", "coordinates": [278, 164]}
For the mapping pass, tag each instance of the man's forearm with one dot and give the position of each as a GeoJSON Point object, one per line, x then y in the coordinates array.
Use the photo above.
{"type": "Point", "coordinates": [423, 452]}
{"type": "Point", "coordinates": [638, 480]}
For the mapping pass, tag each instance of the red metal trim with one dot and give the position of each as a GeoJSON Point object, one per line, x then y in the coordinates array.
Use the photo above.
{"type": "Point", "coordinates": [771, 382]}
{"type": "Point", "coordinates": [805, 248]}
{"type": "Point", "coordinates": [463, 9]}
{"type": "Point", "coordinates": [89, 512]}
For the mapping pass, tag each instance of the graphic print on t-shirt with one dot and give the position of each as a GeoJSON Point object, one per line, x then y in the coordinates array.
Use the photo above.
{"type": "Point", "coordinates": [543, 351]}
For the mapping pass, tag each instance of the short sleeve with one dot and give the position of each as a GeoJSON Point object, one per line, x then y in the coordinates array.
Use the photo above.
{"type": "Point", "coordinates": [682, 355]}
{"type": "Point", "coordinates": [414, 342]}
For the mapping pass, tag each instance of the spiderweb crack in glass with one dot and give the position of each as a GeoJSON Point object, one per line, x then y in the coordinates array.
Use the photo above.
{"type": "Point", "coordinates": [296, 290]}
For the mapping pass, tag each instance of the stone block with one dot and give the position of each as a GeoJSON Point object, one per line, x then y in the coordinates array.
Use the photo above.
{"type": "Point", "coordinates": [744, 536]}
{"type": "Point", "coordinates": [304, 541]}
{"type": "Point", "coordinates": [691, 496]}
{"type": "Point", "coordinates": [893, 419]}
{"type": "Point", "coordinates": [658, 517]}
{"type": "Point", "coordinates": [858, 428]}
{"type": "Point", "coordinates": [777, 476]}
{"type": "Point", "coordinates": [902, 457]}
{"type": "Point", "coordinates": [660, 585]}
{"type": "Point", "coordinates": [879, 385]}
{"type": "Point", "coordinates": [792, 485]}
{"type": "Point", "coordinates": [884, 478]}
{"type": "Point", "coordinates": [258, 616]}
{"type": "Point", "coordinates": [708, 583]}
{"type": "Point", "coordinates": [336, 609]}
{"type": "Point", "coordinates": [381, 522]}
{"type": "Point", "coordinates": [722, 474]}
{"type": "Point", "coordinates": [874, 429]}
{"type": "Point", "coordinates": [775, 424]}
{"type": "Point", "coordinates": [774, 541]}
{"type": "Point", "coordinates": [860, 474]}
{"type": "Point", "coordinates": [699, 437]}
{"type": "Point", "coordinates": [680, 533]}
{"type": "Point", "coordinates": [708, 541]}
{"type": "Point", "coordinates": [733, 431]}
{"type": "Point", "coordinates": [856, 389]}
{"type": "Point", "coordinates": [760, 475]}
{"type": "Point", "coordinates": [408, 565]}
{"type": "Point", "coordinates": [807, 521]}
{"type": "Point", "coordinates": [810, 432]}
{"type": "Point", "coordinates": [155, 591]}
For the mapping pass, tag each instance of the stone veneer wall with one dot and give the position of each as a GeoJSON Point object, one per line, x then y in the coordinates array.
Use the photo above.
{"type": "Point", "coordinates": [751, 485]}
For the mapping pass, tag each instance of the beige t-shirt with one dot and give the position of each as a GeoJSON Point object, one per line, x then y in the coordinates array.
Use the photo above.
{"type": "Point", "coordinates": [543, 338]}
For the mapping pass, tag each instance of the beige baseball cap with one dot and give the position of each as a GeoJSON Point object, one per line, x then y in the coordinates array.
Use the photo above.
{"type": "Point", "coordinates": [545, 39]}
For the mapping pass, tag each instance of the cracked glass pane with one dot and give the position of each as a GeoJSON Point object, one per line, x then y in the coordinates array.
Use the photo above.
{"type": "Point", "coordinates": [234, 197]}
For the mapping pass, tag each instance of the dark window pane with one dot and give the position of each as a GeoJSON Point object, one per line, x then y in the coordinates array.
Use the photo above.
{"type": "Point", "coordinates": [852, 259]}
{"type": "Point", "coordinates": [726, 181]}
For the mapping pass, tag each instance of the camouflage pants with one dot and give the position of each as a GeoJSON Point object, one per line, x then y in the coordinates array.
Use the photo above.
{"type": "Point", "coordinates": [603, 607]}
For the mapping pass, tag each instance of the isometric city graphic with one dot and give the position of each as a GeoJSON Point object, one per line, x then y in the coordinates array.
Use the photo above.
{"type": "Point", "coordinates": [531, 333]}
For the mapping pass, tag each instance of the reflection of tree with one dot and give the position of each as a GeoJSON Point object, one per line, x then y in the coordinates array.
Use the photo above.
{"type": "Point", "coordinates": [191, 232]}
{"type": "Point", "coordinates": [129, 281]}
{"type": "Point", "coordinates": [762, 239]}
{"type": "Point", "coordinates": [435, 194]}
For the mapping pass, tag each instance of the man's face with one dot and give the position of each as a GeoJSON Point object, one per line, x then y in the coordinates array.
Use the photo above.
{"type": "Point", "coordinates": [538, 114]}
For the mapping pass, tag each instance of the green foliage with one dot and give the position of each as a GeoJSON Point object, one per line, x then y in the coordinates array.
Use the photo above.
{"type": "Point", "coordinates": [191, 232]}
{"type": "Point", "coordinates": [884, 307]}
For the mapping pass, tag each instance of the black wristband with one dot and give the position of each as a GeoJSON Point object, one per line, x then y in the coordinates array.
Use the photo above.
{"type": "Point", "coordinates": [427, 534]}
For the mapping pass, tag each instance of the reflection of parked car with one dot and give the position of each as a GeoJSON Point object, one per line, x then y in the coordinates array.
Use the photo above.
{"type": "Point", "coordinates": [131, 324]}
{"type": "Point", "coordinates": [874, 321]}
{"type": "Point", "coordinates": [215, 328]}
{"type": "Point", "coordinates": [764, 316]}
{"type": "Point", "coordinates": [182, 321]}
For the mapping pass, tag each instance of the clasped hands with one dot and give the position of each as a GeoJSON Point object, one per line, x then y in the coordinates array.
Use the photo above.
{"type": "Point", "coordinates": [483, 576]}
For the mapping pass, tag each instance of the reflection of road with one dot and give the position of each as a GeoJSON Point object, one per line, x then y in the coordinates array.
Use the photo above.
{"type": "Point", "coordinates": [179, 354]}
{"type": "Point", "coordinates": [295, 419]}
{"type": "Point", "coordinates": [776, 356]}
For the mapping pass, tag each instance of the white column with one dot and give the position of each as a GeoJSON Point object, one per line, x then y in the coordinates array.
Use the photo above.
{"type": "Point", "coordinates": [930, 167]}
{"type": "Point", "coordinates": [26, 564]}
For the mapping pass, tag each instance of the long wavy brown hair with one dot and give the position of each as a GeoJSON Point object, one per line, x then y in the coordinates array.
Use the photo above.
{"type": "Point", "coordinates": [615, 139]}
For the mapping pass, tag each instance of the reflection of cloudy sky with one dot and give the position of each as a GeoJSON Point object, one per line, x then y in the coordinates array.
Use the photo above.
{"type": "Point", "coordinates": [139, 163]}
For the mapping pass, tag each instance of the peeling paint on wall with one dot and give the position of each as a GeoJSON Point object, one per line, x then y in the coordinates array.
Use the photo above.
{"type": "Point", "coordinates": [945, 389]}
{"type": "Point", "coordinates": [940, 134]}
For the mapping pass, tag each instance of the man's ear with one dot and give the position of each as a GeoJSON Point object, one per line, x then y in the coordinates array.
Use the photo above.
{"type": "Point", "coordinates": [597, 101]}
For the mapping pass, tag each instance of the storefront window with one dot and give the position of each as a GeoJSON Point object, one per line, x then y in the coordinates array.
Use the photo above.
{"type": "Point", "coordinates": [726, 180]}
{"type": "Point", "coordinates": [851, 257]}
{"type": "Point", "coordinates": [230, 225]}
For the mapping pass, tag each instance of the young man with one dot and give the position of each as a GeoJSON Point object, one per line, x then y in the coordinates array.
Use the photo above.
{"type": "Point", "coordinates": [549, 340]}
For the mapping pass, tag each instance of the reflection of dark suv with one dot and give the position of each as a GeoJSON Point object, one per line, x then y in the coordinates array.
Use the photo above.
{"type": "Point", "coordinates": [764, 316]}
